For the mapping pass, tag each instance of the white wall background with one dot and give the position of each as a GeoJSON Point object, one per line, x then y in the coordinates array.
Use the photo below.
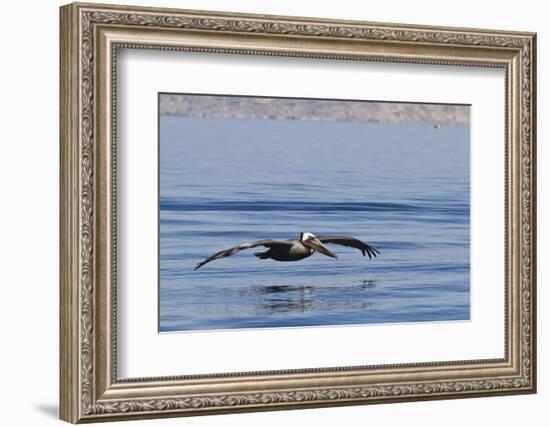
{"type": "Point", "coordinates": [29, 171]}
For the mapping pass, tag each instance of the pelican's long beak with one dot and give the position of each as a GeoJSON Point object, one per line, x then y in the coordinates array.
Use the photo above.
{"type": "Point", "coordinates": [318, 246]}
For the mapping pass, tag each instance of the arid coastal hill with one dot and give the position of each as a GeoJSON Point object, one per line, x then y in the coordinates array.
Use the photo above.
{"type": "Point", "coordinates": [311, 109]}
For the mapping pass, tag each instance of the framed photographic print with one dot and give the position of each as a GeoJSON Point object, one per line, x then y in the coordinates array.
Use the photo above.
{"type": "Point", "coordinates": [266, 212]}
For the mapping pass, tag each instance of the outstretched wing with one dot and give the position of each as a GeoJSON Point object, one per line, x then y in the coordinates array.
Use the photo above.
{"type": "Point", "coordinates": [228, 252]}
{"type": "Point", "coordinates": [351, 242]}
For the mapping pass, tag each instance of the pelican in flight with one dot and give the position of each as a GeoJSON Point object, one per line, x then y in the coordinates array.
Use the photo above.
{"type": "Point", "coordinates": [295, 249]}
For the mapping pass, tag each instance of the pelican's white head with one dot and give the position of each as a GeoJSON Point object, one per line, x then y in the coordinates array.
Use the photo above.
{"type": "Point", "coordinates": [309, 240]}
{"type": "Point", "coordinates": [306, 236]}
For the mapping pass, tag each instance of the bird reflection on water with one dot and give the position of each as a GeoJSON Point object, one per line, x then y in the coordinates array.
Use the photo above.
{"type": "Point", "coordinates": [308, 298]}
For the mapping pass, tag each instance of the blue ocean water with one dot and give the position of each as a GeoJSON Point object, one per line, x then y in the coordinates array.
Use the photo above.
{"type": "Point", "coordinates": [403, 188]}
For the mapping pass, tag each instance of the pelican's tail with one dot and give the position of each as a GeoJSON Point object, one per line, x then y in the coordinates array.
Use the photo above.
{"type": "Point", "coordinates": [261, 255]}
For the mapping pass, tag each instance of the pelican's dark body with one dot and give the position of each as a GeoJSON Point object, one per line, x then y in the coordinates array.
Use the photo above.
{"type": "Point", "coordinates": [294, 252]}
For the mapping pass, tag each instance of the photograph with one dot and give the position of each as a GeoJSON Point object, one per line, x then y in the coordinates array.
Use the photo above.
{"type": "Point", "coordinates": [298, 212]}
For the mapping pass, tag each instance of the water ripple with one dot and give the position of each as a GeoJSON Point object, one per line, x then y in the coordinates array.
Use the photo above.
{"type": "Point", "coordinates": [179, 205]}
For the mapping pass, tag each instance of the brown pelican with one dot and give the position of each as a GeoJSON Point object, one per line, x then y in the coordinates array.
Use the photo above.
{"type": "Point", "coordinates": [295, 249]}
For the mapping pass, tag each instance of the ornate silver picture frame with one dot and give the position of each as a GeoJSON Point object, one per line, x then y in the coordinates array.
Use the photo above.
{"type": "Point", "coordinates": [92, 36]}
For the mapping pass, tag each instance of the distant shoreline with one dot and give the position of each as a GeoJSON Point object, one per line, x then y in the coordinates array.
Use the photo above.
{"type": "Point", "coordinates": [239, 107]}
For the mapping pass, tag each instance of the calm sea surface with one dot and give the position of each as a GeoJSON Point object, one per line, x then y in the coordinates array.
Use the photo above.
{"type": "Point", "coordinates": [404, 188]}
